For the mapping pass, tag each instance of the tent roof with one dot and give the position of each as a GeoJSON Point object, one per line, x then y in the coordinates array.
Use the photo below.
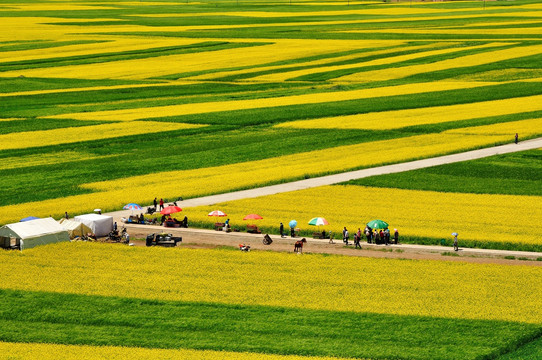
{"type": "Point", "coordinates": [92, 217]}
{"type": "Point", "coordinates": [32, 228]}
{"type": "Point", "coordinates": [72, 224]}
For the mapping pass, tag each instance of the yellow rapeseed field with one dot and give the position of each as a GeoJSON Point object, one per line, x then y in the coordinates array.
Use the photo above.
{"type": "Point", "coordinates": [283, 76]}
{"type": "Point", "coordinates": [430, 115]}
{"type": "Point", "coordinates": [47, 159]}
{"type": "Point", "coordinates": [137, 69]}
{"type": "Point", "coordinates": [31, 351]}
{"type": "Point", "coordinates": [22, 140]}
{"type": "Point", "coordinates": [383, 286]}
{"type": "Point", "coordinates": [480, 217]}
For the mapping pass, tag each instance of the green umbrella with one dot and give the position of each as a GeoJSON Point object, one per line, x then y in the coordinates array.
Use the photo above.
{"type": "Point", "coordinates": [377, 224]}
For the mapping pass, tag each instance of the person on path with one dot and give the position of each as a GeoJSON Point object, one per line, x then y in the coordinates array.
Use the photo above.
{"type": "Point", "coordinates": [331, 237]}
{"type": "Point", "coordinates": [161, 204]}
{"type": "Point", "coordinates": [516, 138]}
{"type": "Point", "coordinates": [155, 202]}
{"type": "Point", "coordinates": [455, 243]}
{"type": "Point", "coordinates": [281, 229]}
{"type": "Point", "coordinates": [396, 237]}
{"type": "Point", "coordinates": [357, 238]}
{"type": "Point", "coordinates": [115, 226]}
{"type": "Point", "coordinates": [66, 215]}
{"type": "Point", "coordinates": [387, 236]}
{"type": "Point", "coordinates": [345, 236]}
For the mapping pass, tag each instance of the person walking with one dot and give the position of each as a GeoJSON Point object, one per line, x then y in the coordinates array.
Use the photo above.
{"type": "Point", "coordinates": [281, 229]}
{"type": "Point", "coordinates": [161, 204]}
{"type": "Point", "coordinates": [516, 138]}
{"type": "Point", "coordinates": [357, 238]}
{"type": "Point", "coordinates": [345, 236]}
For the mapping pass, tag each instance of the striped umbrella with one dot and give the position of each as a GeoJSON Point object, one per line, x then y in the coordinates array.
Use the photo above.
{"type": "Point", "coordinates": [317, 221]}
{"type": "Point", "coordinates": [217, 213]}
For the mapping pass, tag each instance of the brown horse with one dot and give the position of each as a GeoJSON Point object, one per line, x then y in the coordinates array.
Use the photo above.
{"type": "Point", "coordinates": [298, 246]}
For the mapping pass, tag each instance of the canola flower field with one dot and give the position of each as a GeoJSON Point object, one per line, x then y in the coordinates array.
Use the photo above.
{"type": "Point", "coordinates": [105, 103]}
{"type": "Point", "coordinates": [97, 300]}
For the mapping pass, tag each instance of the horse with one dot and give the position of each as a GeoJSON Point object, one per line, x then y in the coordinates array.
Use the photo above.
{"type": "Point", "coordinates": [298, 246]}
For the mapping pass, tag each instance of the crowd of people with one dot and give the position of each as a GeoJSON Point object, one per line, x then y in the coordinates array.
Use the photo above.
{"type": "Point", "coordinates": [376, 236]}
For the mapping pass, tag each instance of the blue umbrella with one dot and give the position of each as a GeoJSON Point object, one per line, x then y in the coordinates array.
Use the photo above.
{"type": "Point", "coordinates": [29, 218]}
{"type": "Point", "coordinates": [292, 224]}
{"type": "Point", "coordinates": [131, 206]}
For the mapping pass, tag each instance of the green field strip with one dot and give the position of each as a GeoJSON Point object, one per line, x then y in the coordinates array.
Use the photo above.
{"type": "Point", "coordinates": [273, 115]}
{"type": "Point", "coordinates": [328, 75]}
{"type": "Point", "coordinates": [125, 55]}
{"type": "Point", "coordinates": [174, 150]}
{"type": "Point", "coordinates": [511, 174]}
{"type": "Point", "coordinates": [32, 124]}
{"type": "Point", "coordinates": [42, 44]}
{"type": "Point", "coordinates": [526, 62]}
{"type": "Point", "coordinates": [19, 84]}
{"type": "Point", "coordinates": [151, 95]}
{"type": "Point", "coordinates": [529, 351]}
{"type": "Point", "coordinates": [96, 320]}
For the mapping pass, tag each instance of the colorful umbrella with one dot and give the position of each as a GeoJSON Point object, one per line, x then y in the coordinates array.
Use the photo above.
{"type": "Point", "coordinates": [170, 210]}
{"type": "Point", "coordinates": [131, 206]}
{"type": "Point", "coordinates": [217, 213]}
{"type": "Point", "coordinates": [454, 234]}
{"type": "Point", "coordinates": [292, 223]}
{"type": "Point", "coordinates": [252, 217]}
{"type": "Point", "coordinates": [317, 221]}
{"type": "Point", "coordinates": [377, 224]}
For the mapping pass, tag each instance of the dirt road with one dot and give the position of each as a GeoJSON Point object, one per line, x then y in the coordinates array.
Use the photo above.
{"type": "Point", "coordinates": [200, 238]}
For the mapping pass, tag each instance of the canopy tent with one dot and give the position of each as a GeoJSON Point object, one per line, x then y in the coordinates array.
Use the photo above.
{"type": "Point", "coordinates": [35, 232]}
{"type": "Point", "coordinates": [100, 225]}
{"type": "Point", "coordinates": [74, 228]}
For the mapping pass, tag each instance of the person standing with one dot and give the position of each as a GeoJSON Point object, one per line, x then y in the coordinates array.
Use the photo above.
{"type": "Point", "coordinates": [161, 204]}
{"type": "Point", "coordinates": [155, 202]}
{"type": "Point", "coordinates": [281, 229]}
{"type": "Point", "coordinates": [516, 138]}
{"type": "Point", "coordinates": [396, 237]}
{"type": "Point", "coordinates": [455, 243]}
{"type": "Point", "coordinates": [66, 215]}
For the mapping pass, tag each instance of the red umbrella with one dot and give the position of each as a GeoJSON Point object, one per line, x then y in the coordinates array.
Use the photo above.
{"type": "Point", "coordinates": [170, 210]}
{"type": "Point", "coordinates": [252, 217]}
{"type": "Point", "coordinates": [217, 213]}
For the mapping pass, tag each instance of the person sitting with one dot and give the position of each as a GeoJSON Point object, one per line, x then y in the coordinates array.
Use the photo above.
{"type": "Point", "coordinates": [141, 218]}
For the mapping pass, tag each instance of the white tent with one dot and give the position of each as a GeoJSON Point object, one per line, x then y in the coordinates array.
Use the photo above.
{"type": "Point", "coordinates": [100, 225]}
{"type": "Point", "coordinates": [35, 232]}
{"type": "Point", "coordinates": [74, 228]}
